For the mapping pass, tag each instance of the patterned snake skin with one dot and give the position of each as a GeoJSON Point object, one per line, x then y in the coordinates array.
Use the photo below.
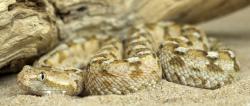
{"type": "Point", "coordinates": [147, 54]}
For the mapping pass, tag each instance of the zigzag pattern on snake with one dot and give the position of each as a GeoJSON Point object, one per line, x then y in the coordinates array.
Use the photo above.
{"type": "Point", "coordinates": [148, 53]}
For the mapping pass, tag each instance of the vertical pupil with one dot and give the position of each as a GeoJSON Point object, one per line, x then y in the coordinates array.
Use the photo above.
{"type": "Point", "coordinates": [42, 76]}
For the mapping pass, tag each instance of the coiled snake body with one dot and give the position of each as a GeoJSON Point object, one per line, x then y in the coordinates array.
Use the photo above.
{"type": "Point", "coordinates": [148, 53]}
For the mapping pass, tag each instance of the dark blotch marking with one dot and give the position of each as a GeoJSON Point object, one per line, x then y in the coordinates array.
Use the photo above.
{"type": "Point", "coordinates": [203, 80]}
{"type": "Point", "coordinates": [153, 72]}
{"type": "Point", "coordinates": [161, 46]}
{"type": "Point", "coordinates": [106, 73]}
{"type": "Point", "coordinates": [135, 63]}
{"type": "Point", "coordinates": [200, 39]}
{"type": "Point", "coordinates": [80, 9]}
{"type": "Point", "coordinates": [107, 55]}
{"type": "Point", "coordinates": [197, 52]}
{"type": "Point", "coordinates": [11, 7]}
{"type": "Point", "coordinates": [136, 51]}
{"type": "Point", "coordinates": [189, 43]}
{"type": "Point", "coordinates": [179, 53]}
{"type": "Point", "coordinates": [107, 83]}
{"type": "Point", "coordinates": [176, 78]}
{"type": "Point", "coordinates": [214, 68]}
{"type": "Point", "coordinates": [169, 47]}
{"type": "Point", "coordinates": [236, 67]}
{"type": "Point", "coordinates": [99, 61]}
{"type": "Point", "coordinates": [150, 26]}
{"type": "Point", "coordinates": [119, 61]}
{"type": "Point", "coordinates": [136, 73]}
{"type": "Point", "coordinates": [176, 61]}
{"type": "Point", "coordinates": [196, 69]}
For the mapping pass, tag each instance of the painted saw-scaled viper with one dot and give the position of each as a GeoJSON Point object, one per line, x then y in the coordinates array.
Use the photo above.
{"type": "Point", "coordinates": [146, 54]}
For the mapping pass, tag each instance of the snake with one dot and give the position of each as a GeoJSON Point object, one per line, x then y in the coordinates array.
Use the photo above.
{"type": "Point", "coordinates": [140, 58]}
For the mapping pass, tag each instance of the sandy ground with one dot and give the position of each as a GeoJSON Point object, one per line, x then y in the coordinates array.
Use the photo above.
{"type": "Point", "coordinates": [233, 30]}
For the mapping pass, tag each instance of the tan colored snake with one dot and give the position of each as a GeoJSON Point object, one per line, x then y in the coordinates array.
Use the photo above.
{"type": "Point", "coordinates": [147, 54]}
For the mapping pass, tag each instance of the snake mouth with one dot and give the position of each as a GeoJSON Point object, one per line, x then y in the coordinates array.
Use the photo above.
{"type": "Point", "coordinates": [50, 92]}
{"type": "Point", "coordinates": [47, 92]}
{"type": "Point", "coordinates": [36, 90]}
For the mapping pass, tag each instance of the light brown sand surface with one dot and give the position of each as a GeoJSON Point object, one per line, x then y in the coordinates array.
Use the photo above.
{"type": "Point", "coordinates": [233, 31]}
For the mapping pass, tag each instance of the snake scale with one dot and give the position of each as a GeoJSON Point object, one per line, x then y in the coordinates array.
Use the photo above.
{"type": "Point", "coordinates": [100, 65]}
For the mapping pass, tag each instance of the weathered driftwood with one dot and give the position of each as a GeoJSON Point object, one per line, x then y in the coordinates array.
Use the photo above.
{"type": "Point", "coordinates": [188, 11]}
{"type": "Point", "coordinates": [29, 27]}
{"type": "Point", "coordinates": [86, 15]}
{"type": "Point", "coordinates": [26, 29]}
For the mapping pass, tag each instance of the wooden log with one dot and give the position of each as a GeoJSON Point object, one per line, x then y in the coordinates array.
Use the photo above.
{"type": "Point", "coordinates": [187, 11]}
{"type": "Point", "coordinates": [27, 30]}
{"type": "Point", "coordinates": [85, 16]}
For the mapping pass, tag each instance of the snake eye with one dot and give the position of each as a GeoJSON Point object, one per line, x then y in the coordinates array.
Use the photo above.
{"type": "Point", "coordinates": [41, 76]}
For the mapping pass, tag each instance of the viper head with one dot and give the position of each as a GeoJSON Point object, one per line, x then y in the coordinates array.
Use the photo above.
{"type": "Point", "coordinates": [47, 80]}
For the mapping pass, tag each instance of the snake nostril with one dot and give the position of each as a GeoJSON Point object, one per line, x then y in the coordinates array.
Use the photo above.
{"type": "Point", "coordinates": [80, 9]}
